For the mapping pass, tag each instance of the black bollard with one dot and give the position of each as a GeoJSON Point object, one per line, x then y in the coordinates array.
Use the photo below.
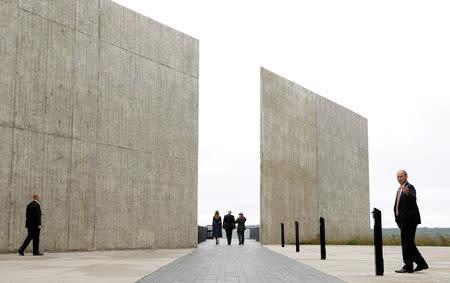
{"type": "Point", "coordinates": [282, 235]}
{"type": "Point", "coordinates": [378, 241]}
{"type": "Point", "coordinates": [323, 252]}
{"type": "Point", "coordinates": [297, 243]}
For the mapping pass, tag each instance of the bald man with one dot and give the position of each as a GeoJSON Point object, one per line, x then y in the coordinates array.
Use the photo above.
{"type": "Point", "coordinates": [407, 217]}
{"type": "Point", "coordinates": [33, 224]}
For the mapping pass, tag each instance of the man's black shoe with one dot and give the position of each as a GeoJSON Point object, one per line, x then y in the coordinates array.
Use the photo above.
{"type": "Point", "coordinates": [421, 267]}
{"type": "Point", "coordinates": [402, 270]}
{"type": "Point", "coordinates": [39, 254]}
{"type": "Point", "coordinates": [21, 252]}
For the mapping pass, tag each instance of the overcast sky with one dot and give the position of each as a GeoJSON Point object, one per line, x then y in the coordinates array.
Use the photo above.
{"type": "Point", "coordinates": [389, 61]}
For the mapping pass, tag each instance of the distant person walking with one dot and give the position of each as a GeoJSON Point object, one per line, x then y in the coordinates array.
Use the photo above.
{"type": "Point", "coordinates": [241, 227]}
{"type": "Point", "coordinates": [33, 224]}
{"type": "Point", "coordinates": [228, 225]}
{"type": "Point", "coordinates": [407, 217]}
{"type": "Point", "coordinates": [217, 227]}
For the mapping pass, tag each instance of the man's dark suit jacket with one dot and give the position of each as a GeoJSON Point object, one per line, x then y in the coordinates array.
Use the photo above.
{"type": "Point", "coordinates": [228, 222]}
{"type": "Point", "coordinates": [408, 212]}
{"type": "Point", "coordinates": [33, 219]}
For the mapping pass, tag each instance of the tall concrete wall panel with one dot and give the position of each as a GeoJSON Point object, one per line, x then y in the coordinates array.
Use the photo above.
{"type": "Point", "coordinates": [313, 163]}
{"type": "Point", "coordinates": [343, 154]}
{"type": "Point", "coordinates": [98, 113]}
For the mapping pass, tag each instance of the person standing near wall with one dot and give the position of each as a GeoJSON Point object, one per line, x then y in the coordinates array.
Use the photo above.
{"type": "Point", "coordinates": [33, 224]}
{"type": "Point", "coordinates": [241, 227]}
{"type": "Point", "coordinates": [217, 227]}
{"type": "Point", "coordinates": [228, 225]}
{"type": "Point", "coordinates": [407, 217]}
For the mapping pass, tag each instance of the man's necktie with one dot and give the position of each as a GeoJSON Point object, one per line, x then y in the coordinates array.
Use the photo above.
{"type": "Point", "coordinates": [398, 200]}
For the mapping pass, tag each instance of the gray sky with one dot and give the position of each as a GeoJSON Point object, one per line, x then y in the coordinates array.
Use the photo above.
{"type": "Point", "coordinates": [389, 61]}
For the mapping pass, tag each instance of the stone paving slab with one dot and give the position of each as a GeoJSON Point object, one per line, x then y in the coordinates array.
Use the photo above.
{"type": "Point", "coordinates": [249, 263]}
{"type": "Point", "coordinates": [357, 263]}
{"type": "Point", "coordinates": [96, 266]}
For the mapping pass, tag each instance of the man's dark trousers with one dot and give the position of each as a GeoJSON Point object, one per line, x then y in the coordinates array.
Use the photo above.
{"type": "Point", "coordinates": [241, 237]}
{"type": "Point", "coordinates": [407, 220]}
{"type": "Point", "coordinates": [229, 233]}
{"type": "Point", "coordinates": [409, 250]}
{"type": "Point", "coordinates": [33, 234]}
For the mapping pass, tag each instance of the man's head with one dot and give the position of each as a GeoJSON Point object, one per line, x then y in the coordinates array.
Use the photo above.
{"type": "Point", "coordinates": [402, 177]}
{"type": "Point", "coordinates": [241, 214]}
{"type": "Point", "coordinates": [229, 211]}
{"type": "Point", "coordinates": [37, 197]}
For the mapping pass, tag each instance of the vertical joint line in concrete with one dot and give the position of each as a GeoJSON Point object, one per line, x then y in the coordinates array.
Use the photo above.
{"type": "Point", "coordinates": [48, 48]}
{"type": "Point", "coordinates": [13, 128]}
{"type": "Point", "coordinates": [72, 98]}
{"type": "Point", "coordinates": [96, 139]}
{"type": "Point", "coordinates": [75, 19]}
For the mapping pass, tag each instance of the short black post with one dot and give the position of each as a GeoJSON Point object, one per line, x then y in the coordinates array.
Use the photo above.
{"type": "Point", "coordinates": [282, 235]}
{"type": "Point", "coordinates": [378, 241]}
{"type": "Point", "coordinates": [323, 252]}
{"type": "Point", "coordinates": [297, 243]}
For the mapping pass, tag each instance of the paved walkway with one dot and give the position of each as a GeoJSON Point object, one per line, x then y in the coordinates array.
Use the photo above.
{"type": "Point", "coordinates": [249, 263]}
{"type": "Point", "coordinates": [98, 266]}
{"type": "Point", "coordinates": [357, 263]}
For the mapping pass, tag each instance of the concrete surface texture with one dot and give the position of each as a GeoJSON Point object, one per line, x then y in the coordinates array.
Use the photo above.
{"type": "Point", "coordinates": [357, 263]}
{"type": "Point", "coordinates": [97, 266]}
{"type": "Point", "coordinates": [314, 162]}
{"type": "Point", "coordinates": [98, 113]}
{"type": "Point", "coordinates": [248, 263]}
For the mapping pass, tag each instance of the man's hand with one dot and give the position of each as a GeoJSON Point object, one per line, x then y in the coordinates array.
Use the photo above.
{"type": "Point", "coordinates": [39, 227]}
{"type": "Point", "coordinates": [405, 189]}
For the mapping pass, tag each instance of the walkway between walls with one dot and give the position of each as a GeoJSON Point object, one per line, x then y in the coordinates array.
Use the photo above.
{"type": "Point", "coordinates": [248, 263]}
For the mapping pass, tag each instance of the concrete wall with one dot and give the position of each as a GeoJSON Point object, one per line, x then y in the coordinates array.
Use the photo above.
{"type": "Point", "coordinates": [314, 162]}
{"type": "Point", "coordinates": [98, 113]}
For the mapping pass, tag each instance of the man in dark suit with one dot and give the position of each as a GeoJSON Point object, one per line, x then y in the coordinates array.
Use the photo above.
{"type": "Point", "coordinates": [407, 217]}
{"type": "Point", "coordinates": [33, 224]}
{"type": "Point", "coordinates": [229, 225]}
